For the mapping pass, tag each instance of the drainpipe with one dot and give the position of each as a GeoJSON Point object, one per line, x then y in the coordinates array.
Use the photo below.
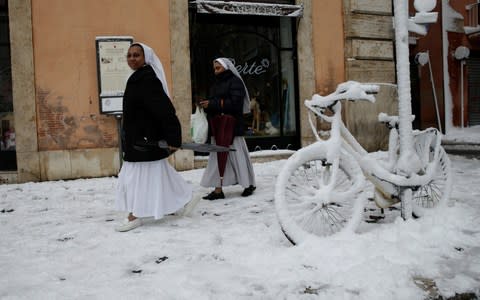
{"type": "Point", "coordinates": [461, 54]}
{"type": "Point", "coordinates": [462, 62]}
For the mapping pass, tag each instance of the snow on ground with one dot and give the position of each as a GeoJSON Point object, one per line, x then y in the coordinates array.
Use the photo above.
{"type": "Point", "coordinates": [58, 242]}
{"type": "Point", "coordinates": [463, 135]}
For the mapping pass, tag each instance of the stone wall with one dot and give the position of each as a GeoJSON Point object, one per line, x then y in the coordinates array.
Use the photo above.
{"type": "Point", "coordinates": [369, 57]}
{"type": "Point", "coordinates": [20, 23]}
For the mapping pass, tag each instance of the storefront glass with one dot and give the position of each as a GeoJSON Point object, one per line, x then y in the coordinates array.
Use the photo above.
{"type": "Point", "coordinates": [262, 49]}
{"type": "Point", "coordinates": [7, 131]}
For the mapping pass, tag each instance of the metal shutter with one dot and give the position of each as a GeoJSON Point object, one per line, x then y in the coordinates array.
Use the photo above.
{"type": "Point", "coordinates": [473, 73]}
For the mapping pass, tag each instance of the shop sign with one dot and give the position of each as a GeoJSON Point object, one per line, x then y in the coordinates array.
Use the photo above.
{"type": "Point", "coordinates": [254, 68]}
{"type": "Point", "coordinates": [249, 8]}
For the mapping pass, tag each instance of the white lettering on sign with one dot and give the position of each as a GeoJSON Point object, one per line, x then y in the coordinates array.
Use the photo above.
{"type": "Point", "coordinates": [242, 8]}
{"type": "Point", "coordinates": [254, 68]}
{"type": "Point", "coordinates": [254, 9]}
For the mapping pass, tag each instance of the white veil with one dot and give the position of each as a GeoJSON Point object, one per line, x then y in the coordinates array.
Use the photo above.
{"type": "Point", "coordinates": [228, 65]}
{"type": "Point", "coordinates": [152, 59]}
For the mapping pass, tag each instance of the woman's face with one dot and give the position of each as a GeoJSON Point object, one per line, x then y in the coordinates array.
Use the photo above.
{"type": "Point", "coordinates": [135, 57]}
{"type": "Point", "coordinates": [217, 68]}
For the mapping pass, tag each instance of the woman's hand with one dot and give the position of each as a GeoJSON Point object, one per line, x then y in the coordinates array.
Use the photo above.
{"type": "Point", "coordinates": [172, 149]}
{"type": "Point", "coordinates": [203, 103]}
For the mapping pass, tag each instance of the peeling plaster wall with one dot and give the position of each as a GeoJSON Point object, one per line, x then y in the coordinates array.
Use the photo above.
{"type": "Point", "coordinates": [72, 139]}
{"type": "Point", "coordinates": [64, 33]}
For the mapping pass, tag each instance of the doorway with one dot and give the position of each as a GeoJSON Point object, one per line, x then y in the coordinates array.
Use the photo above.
{"type": "Point", "coordinates": [8, 158]}
{"type": "Point", "coordinates": [262, 49]}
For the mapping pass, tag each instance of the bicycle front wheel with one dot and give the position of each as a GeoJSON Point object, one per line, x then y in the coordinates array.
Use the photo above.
{"type": "Point", "coordinates": [314, 198]}
{"type": "Point", "coordinates": [436, 192]}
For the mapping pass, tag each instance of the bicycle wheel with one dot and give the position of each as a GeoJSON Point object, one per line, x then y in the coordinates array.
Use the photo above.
{"type": "Point", "coordinates": [436, 192]}
{"type": "Point", "coordinates": [311, 200]}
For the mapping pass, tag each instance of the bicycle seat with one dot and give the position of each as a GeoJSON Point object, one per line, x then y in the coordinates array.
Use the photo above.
{"type": "Point", "coordinates": [391, 121]}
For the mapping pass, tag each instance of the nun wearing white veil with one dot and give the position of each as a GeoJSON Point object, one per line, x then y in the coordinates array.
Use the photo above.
{"type": "Point", "coordinates": [148, 186]}
{"type": "Point", "coordinates": [229, 96]}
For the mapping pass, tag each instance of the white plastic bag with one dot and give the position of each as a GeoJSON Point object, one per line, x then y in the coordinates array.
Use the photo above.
{"type": "Point", "coordinates": [199, 126]}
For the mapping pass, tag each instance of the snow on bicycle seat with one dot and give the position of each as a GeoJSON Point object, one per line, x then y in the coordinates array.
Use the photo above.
{"type": "Point", "coordinates": [393, 121]}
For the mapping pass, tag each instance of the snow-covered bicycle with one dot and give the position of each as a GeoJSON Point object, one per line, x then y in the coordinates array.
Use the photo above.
{"type": "Point", "coordinates": [321, 190]}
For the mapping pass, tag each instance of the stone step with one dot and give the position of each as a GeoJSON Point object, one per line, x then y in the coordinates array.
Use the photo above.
{"type": "Point", "coordinates": [469, 149]}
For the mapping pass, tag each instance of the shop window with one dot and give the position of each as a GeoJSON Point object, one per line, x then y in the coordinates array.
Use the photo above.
{"type": "Point", "coordinates": [7, 130]}
{"type": "Point", "coordinates": [262, 49]}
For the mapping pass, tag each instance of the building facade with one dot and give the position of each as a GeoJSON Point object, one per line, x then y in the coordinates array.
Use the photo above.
{"type": "Point", "coordinates": [285, 50]}
{"type": "Point", "coordinates": [445, 68]}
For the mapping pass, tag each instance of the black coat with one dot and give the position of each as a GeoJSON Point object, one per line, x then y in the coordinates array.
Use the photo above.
{"type": "Point", "coordinates": [148, 116]}
{"type": "Point", "coordinates": [230, 88]}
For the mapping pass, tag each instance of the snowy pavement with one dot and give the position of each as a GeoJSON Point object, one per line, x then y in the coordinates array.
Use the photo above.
{"type": "Point", "coordinates": [58, 242]}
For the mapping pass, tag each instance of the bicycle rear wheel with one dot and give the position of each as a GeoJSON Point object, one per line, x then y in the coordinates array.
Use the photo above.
{"type": "Point", "coordinates": [311, 200]}
{"type": "Point", "coordinates": [436, 192]}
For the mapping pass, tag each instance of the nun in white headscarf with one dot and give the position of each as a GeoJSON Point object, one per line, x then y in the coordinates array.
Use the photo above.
{"type": "Point", "coordinates": [152, 60]}
{"type": "Point", "coordinates": [229, 96]}
{"type": "Point", "coordinates": [148, 186]}
{"type": "Point", "coordinates": [227, 64]}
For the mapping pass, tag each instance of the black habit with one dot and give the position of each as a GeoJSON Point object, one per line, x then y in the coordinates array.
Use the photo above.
{"type": "Point", "coordinates": [229, 90]}
{"type": "Point", "coordinates": [148, 116]}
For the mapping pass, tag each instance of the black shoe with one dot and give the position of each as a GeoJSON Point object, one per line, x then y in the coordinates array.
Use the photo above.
{"type": "Point", "coordinates": [214, 196]}
{"type": "Point", "coordinates": [248, 191]}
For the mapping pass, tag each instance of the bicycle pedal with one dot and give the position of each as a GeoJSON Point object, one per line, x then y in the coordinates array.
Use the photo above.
{"type": "Point", "coordinates": [384, 201]}
{"type": "Point", "coordinates": [374, 219]}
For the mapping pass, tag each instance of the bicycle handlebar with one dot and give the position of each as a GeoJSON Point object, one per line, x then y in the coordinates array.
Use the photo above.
{"type": "Point", "coordinates": [357, 89]}
{"type": "Point", "coordinates": [350, 90]}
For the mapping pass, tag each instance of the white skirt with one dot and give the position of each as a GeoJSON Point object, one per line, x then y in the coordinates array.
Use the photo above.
{"type": "Point", "coordinates": [238, 170]}
{"type": "Point", "coordinates": [152, 188]}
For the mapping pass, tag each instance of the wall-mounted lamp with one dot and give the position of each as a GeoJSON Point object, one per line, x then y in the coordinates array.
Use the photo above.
{"type": "Point", "coordinates": [424, 5]}
{"type": "Point", "coordinates": [461, 54]}
{"type": "Point", "coordinates": [422, 58]}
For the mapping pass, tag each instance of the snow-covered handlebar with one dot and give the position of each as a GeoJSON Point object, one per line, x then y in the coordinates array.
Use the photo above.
{"type": "Point", "coordinates": [350, 90]}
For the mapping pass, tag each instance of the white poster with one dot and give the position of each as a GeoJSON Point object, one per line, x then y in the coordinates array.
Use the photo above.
{"type": "Point", "coordinates": [113, 71]}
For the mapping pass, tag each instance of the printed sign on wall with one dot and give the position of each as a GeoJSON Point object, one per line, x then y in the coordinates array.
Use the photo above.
{"type": "Point", "coordinates": [113, 71]}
